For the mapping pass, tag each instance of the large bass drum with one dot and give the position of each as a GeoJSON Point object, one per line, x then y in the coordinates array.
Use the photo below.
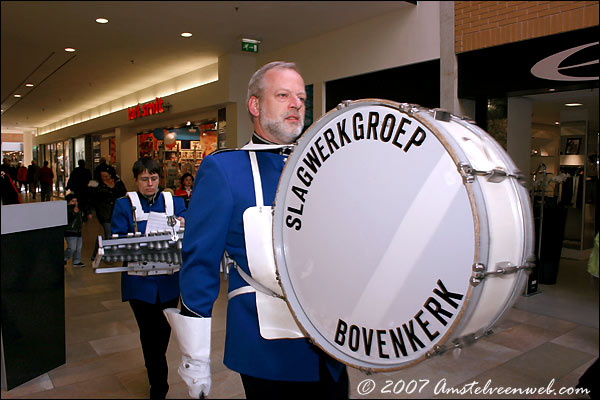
{"type": "Point", "coordinates": [399, 232]}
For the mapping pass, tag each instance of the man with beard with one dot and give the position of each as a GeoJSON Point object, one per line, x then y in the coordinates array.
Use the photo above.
{"type": "Point", "coordinates": [270, 367]}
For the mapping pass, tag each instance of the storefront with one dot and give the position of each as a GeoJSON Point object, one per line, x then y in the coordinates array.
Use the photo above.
{"type": "Point", "coordinates": [178, 150]}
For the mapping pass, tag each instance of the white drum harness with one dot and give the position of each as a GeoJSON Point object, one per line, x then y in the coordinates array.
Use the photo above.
{"type": "Point", "coordinates": [275, 318]}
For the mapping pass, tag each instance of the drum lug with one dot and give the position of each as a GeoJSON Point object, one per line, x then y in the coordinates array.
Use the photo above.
{"type": "Point", "coordinates": [441, 115]}
{"type": "Point", "coordinates": [343, 104]}
{"type": "Point", "coordinates": [466, 171]}
{"type": "Point", "coordinates": [478, 274]}
{"type": "Point", "coordinates": [502, 268]}
{"type": "Point", "coordinates": [409, 109]}
{"type": "Point", "coordinates": [494, 176]}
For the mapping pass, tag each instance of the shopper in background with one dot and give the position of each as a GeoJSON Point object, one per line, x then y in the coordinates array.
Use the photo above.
{"type": "Point", "coordinates": [223, 191]}
{"type": "Point", "coordinates": [7, 168]}
{"type": "Point", "coordinates": [103, 196]}
{"type": "Point", "coordinates": [78, 184]}
{"type": "Point", "coordinates": [22, 177]}
{"type": "Point", "coordinates": [99, 168]}
{"type": "Point", "coordinates": [46, 178]}
{"type": "Point", "coordinates": [75, 220]}
{"type": "Point", "coordinates": [9, 192]}
{"type": "Point", "coordinates": [32, 177]}
{"type": "Point", "coordinates": [185, 188]}
{"type": "Point", "coordinates": [149, 295]}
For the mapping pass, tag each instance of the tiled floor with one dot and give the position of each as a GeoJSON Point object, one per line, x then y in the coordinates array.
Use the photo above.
{"type": "Point", "coordinates": [548, 339]}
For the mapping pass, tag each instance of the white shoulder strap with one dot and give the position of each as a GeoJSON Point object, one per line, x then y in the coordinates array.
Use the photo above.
{"type": "Point", "coordinates": [259, 146]}
{"type": "Point", "coordinates": [140, 215]}
{"type": "Point", "coordinates": [169, 209]}
{"type": "Point", "coordinates": [257, 182]}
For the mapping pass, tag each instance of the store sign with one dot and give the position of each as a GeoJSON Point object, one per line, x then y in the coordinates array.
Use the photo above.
{"type": "Point", "coordinates": [552, 68]}
{"type": "Point", "coordinates": [143, 110]}
{"type": "Point", "coordinates": [564, 61]}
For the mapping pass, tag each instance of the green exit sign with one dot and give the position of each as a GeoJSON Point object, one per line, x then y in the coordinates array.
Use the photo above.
{"type": "Point", "coordinates": [251, 47]}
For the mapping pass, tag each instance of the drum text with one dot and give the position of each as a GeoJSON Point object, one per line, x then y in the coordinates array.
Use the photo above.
{"type": "Point", "coordinates": [372, 127]}
{"type": "Point", "coordinates": [395, 342]}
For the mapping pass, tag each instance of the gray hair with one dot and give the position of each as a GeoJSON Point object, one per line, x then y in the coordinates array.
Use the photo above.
{"type": "Point", "coordinates": [256, 86]}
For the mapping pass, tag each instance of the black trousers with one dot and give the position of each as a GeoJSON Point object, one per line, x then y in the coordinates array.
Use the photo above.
{"type": "Point", "coordinates": [154, 335]}
{"type": "Point", "coordinates": [326, 387]}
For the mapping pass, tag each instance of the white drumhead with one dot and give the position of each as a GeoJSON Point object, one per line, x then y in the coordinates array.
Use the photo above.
{"type": "Point", "coordinates": [374, 236]}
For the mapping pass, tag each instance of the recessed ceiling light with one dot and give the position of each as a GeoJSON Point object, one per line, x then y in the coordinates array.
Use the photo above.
{"type": "Point", "coordinates": [573, 104]}
{"type": "Point", "coordinates": [69, 49]}
{"type": "Point", "coordinates": [186, 34]}
{"type": "Point", "coordinates": [17, 95]}
{"type": "Point", "coordinates": [102, 20]}
{"type": "Point", "coordinates": [29, 84]}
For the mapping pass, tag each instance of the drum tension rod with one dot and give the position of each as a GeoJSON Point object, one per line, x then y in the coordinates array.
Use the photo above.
{"type": "Point", "coordinates": [502, 268]}
{"type": "Point", "coordinates": [457, 343]}
{"type": "Point", "coordinates": [494, 176]}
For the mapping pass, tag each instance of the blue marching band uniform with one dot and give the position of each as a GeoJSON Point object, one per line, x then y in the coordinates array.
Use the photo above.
{"type": "Point", "coordinates": [223, 190]}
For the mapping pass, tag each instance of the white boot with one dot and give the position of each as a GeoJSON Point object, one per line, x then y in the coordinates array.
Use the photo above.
{"type": "Point", "coordinates": [193, 335]}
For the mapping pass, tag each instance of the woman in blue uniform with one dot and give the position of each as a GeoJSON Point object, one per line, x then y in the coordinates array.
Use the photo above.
{"type": "Point", "coordinates": [148, 295]}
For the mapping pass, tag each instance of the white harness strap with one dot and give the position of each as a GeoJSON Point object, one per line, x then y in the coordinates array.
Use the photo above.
{"type": "Point", "coordinates": [140, 215]}
{"type": "Point", "coordinates": [257, 182]}
{"type": "Point", "coordinates": [168, 203]}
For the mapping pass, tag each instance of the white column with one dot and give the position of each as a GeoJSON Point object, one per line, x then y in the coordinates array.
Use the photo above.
{"type": "Point", "coordinates": [235, 71]}
{"type": "Point", "coordinates": [449, 67]}
{"type": "Point", "coordinates": [518, 132]}
{"type": "Point", "coordinates": [27, 148]}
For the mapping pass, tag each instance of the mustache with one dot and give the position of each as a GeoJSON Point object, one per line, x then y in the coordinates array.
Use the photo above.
{"type": "Point", "coordinates": [292, 114]}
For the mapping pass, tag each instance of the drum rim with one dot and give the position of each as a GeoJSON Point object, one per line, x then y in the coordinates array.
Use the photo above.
{"type": "Point", "coordinates": [475, 196]}
{"type": "Point", "coordinates": [526, 211]}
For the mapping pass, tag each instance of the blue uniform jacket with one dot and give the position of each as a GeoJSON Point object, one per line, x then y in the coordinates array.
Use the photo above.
{"type": "Point", "coordinates": [223, 190]}
{"type": "Point", "coordinates": [145, 288]}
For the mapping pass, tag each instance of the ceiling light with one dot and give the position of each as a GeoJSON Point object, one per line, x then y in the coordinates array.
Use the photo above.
{"type": "Point", "coordinates": [69, 49]}
{"type": "Point", "coordinates": [556, 123]}
{"type": "Point", "coordinates": [17, 95]}
{"type": "Point", "coordinates": [29, 84]}
{"type": "Point", "coordinates": [102, 20]}
{"type": "Point", "coordinates": [551, 90]}
{"type": "Point", "coordinates": [247, 40]}
{"type": "Point", "coordinates": [573, 104]}
{"type": "Point", "coordinates": [186, 34]}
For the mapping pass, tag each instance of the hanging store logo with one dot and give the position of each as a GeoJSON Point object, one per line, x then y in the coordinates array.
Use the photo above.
{"type": "Point", "coordinates": [550, 67]}
{"type": "Point", "coordinates": [143, 110]}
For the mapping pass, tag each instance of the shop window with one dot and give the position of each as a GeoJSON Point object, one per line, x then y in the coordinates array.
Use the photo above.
{"type": "Point", "coordinates": [497, 119]}
{"type": "Point", "coordinates": [178, 150]}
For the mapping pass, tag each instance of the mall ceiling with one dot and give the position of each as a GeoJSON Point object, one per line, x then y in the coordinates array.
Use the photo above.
{"type": "Point", "coordinates": [141, 46]}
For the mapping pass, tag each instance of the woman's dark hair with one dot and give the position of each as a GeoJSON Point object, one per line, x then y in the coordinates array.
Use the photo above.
{"type": "Point", "coordinates": [109, 169]}
{"type": "Point", "coordinates": [145, 163]}
{"type": "Point", "coordinates": [185, 176]}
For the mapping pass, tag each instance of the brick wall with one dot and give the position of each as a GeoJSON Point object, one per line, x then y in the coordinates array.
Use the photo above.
{"type": "Point", "coordinates": [480, 24]}
{"type": "Point", "coordinates": [12, 137]}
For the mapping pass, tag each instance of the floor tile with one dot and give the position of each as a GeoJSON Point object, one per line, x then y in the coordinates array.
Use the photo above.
{"type": "Point", "coordinates": [582, 338]}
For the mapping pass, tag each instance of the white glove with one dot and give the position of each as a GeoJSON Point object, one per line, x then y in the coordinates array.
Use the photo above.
{"type": "Point", "coordinates": [93, 183]}
{"type": "Point", "coordinates": [193, 335]}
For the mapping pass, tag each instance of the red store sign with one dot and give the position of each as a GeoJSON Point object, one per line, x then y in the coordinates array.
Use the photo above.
{"type": "Point", "coordinates": [143, 110]}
